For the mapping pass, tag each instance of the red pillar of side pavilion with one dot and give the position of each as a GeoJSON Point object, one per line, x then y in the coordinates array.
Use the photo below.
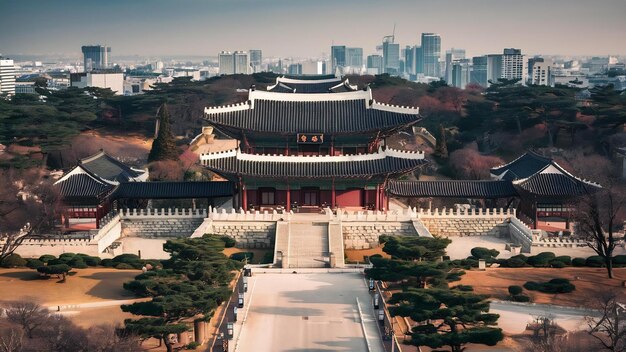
{"type": "Point", "coordinates": [244, 195]}
{"type": "Point", "coordinates": [377, 207]}
{"type": "Point", "coordinates": [288, 207]}
{"type": "Point", "coordinates": [333, 200]}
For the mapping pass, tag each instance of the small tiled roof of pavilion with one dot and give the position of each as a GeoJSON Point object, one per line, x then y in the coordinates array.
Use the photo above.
{"type": "Point", "coordinates": [81, 183]}
{"type": "Point", "coordinates": [173, 190]}
{"type": "Point", "coordinates": [109, 168]}
{"type": "Point", "coordinates": [384, 162]}
{"type": "Point", "coordinates": [452, 189]}
{"type": "Point", "coordinates": [524, 166]}
{"type": "Point", "coordinates": [311, 85]}
{"type": "Point", "coordinates": [553, 181]}
{"type": "Point", "coordinates": [290, 113]}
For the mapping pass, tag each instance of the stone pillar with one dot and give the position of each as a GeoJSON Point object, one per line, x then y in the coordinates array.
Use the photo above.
{"type": "Point", "coordinates": [199, 328]}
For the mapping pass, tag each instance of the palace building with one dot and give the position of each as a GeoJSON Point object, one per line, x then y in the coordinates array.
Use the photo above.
{"type": "Point", "coordinates": [311, 142]}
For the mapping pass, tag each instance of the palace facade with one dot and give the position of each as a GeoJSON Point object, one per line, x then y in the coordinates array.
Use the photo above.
{"type": "Point", "coordinates": [311, 142]}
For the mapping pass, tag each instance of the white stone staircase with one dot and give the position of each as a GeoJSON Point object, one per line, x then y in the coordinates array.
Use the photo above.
{"type": "Point", "coordinates": [335, 243]}
{"type": "Point", "coordinates": [421, 230]}
{"type": "Point", "coordinates": [281, 244]}
{"type": "Point", "coordinates": [308, 244]}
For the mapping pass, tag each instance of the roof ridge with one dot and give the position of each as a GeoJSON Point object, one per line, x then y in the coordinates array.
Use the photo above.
{"type": "Point", "coordinates": [527, 152]}
{"type": "Point", "coordinates": [380, 154]}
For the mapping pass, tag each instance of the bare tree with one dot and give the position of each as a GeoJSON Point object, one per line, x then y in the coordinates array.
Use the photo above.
{"type": "Point", "coordinates": [108, 338]}
{"type": "Point", "coordinates": [598, 217]}
{"type": "Point", "coordinates": [11, 339]}
{"type": "Point", "coordinates": [610, 327]}
{"type": "Point", "coordinates": [600, 212]}
{"type": "Point", "coordinates": [27, 314]}
{"type": "Point", "coordinates": [60, 335]}
{"type": "Point", "coordinates": [28, 202]}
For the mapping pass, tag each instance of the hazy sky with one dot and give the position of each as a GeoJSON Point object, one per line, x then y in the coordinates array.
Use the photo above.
{"type": "Point", "coordinates": [309, 27]}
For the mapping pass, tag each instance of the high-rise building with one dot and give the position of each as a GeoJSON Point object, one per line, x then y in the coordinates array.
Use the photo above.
{"type": "Point", "coordinates": [337, 56]}
{"type": "Point", "coordinates": [7, 76]}
{"type": "Point", "coordinates": [514, 65]}
{"type": "Point", "coordinates": [478, 74]}
{"type": "Point", "coordinates": [540, 71]}
{"type": "Point", "coordinates": [231, 63]}
{"type": "Point", "coordinates": [256, 60]}
{"type": "Point", "coordinates": [419, 60]}
{"type": "Point", "coordinates": [460, 73]}
{"type": "Point", "coordinates": [354, 57]}
{"type": "Point", "coordinates": [314, 67]}
{"type": "Point", "coordinates": [242, 62]}
{"type": "Point", "coordinates": [295, 69]}
{"type": "Point", "coordinates": [391, 57]}
{"type": "Point", "coordinates": [494, 67]}
{"type": "Point", "coordinates": [431, 52]}
{"type": "Point", "coordinates": [409, 60]}
{"type": "Point", "coordinates": [375, 64]}
{"type": "Point", "coordinates": [451, 56]}
{"type": "Point", "coordinates": [95, 57]}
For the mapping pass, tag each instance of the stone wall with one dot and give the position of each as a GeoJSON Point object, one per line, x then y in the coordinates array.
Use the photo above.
{"type": "Point", "coordinates": [451, 223]}
{"type": "Point", "coordinates": [158, 223]}
{"type": "Point", "coordinates": [156, 228]}
{"type": "Point", "coordinates": [247, 234]}
{"type": "Point", "coordinates": [364, 235]}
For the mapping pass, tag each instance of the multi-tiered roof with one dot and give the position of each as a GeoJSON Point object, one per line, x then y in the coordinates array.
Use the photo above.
{"type": "Point", "coordinates": [348, 113]}
{"type": "Point", "coordinates": [313, 84]}
{"type": "Point", "coordinates": [363, 166]}
{"type": "Point", "coordinates": [296, 106]}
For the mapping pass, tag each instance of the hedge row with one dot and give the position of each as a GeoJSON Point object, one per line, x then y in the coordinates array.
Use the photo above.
{"type": "Point", "coordinates": [557, 285]}
{"type": "Point", "coordinates": [550, 260]}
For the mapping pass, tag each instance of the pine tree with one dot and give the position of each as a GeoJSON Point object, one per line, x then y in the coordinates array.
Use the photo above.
{"type": "Point", "coordinates": [164, 146]}
{"type": "Point", "coordinates": [441, 148]}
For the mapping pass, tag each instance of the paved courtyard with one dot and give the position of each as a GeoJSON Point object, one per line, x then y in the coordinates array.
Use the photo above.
{"type": "Point", "coordinates": [306, 312]}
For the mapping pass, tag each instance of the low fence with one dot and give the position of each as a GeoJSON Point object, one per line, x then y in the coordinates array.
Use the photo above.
{"type": "Point", "coordinates": [390, 340]}
{"type": "Point", "coordinates": [219, 341]}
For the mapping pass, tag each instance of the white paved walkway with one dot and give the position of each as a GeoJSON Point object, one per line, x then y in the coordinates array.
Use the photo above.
{"type": "Point", "coordinates": [306, 312]}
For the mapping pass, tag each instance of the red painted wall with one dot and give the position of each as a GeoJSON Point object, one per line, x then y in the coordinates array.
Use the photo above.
{"type": "Point", "coordinates": [350, 198]}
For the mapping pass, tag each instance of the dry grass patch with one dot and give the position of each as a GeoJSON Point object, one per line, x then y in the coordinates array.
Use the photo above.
{"type": "Point", "coordinates": [590, 282]}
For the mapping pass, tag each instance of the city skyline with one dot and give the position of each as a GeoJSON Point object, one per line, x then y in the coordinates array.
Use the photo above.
{"type": "Point", "coordinates": [160, 27]}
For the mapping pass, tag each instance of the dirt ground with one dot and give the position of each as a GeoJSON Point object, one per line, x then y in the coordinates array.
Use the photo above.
{"type": "Point", "coordinates": [131, 147]}
{"type": "Point", "coordinates": [590, 282]}
{"type": "Point", "coordinates": [354, 255]}
{"type": "Point", "coordinates": [258, 253]}
{"type": "Point", "coordinates": [87, 285]}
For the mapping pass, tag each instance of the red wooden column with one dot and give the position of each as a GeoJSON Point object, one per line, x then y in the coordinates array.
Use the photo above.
{"type": "Point", "coordinates": [288, 207]}
{"type": "Point", "coordinates": [333, 196]}
{"type": "Point", "coordinates": [286, 147]}
{"type": "Point", "coordinates": [377, 207]}
{"type": "Point", "coordinates": [244, 196]}
{"type": "Point", "coordinates": [332, 146]}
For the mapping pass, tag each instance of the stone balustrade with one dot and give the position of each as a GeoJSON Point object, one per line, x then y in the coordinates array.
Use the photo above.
{"type": "Point", "coordinates": [163, 213]}
{"type": "Point", "coordinates": [249, 215]}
